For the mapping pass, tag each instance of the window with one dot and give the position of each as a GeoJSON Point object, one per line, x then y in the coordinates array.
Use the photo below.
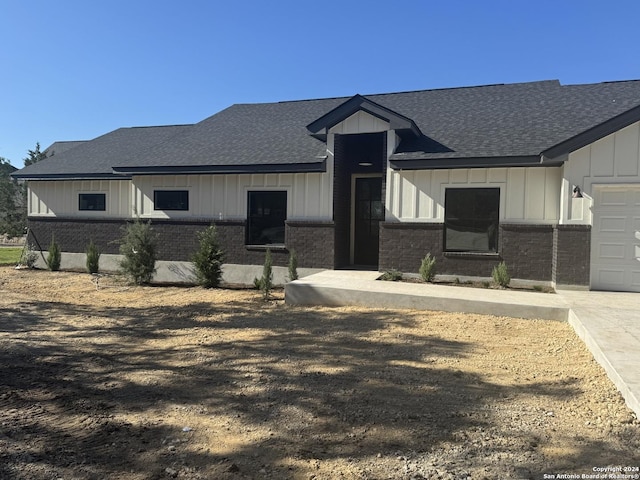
{"type": "Point", "coordinates": [92, 201]}
{"type": "Point", "coordinates": [471, 219]}
{"type": "Point", "coordinates": [267, 212]}
{"type": "Point", "coordinates": [171, 200]}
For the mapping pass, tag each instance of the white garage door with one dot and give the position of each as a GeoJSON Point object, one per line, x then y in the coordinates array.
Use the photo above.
{"type": "Point", "coordinates": [615, 238]}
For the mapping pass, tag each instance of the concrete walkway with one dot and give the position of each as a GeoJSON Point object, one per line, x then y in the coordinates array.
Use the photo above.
{"type": "Point", "coordinates": [608, 322]}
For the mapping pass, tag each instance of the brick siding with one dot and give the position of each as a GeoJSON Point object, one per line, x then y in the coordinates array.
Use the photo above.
{"type": "Point", "coordinates": [177, 239]}
{"type": "Point", "coordinates": [313, 243]}
{"type": "Point", "coordinates": [572, 254]}
{"type": "Point", "coordinates": [526, 249]}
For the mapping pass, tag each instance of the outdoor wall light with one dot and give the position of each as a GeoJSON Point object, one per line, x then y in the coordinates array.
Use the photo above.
{"type": "Point", "coordinates": [365, 164]}
{"type": "Point", "coordinates": [576, 192]}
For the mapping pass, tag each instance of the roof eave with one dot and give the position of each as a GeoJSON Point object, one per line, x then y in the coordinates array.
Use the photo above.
{"type": "Point", "coordinates": [225, 169]}
{"type": "Point", "coordinates": [591, 135]}
{"type": "Point", "coordinates": [469, 162]}
{"type": "Point", "coordinates": [70, 176]}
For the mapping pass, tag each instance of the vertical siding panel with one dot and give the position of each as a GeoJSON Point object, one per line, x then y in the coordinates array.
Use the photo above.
{"type": "Point", "coordinates": [534, 194]}
{"type": "Point", "coordinates": [459, 176]}
{"type": "Point", "coordinates": [424, 203]}
{"type": "Point", "coordinates": [497, 175]}
{"type": "Point", "coordinates": [439, 179]}
{"type": "Point", "coordinates": [298, 200]}
{"type": "Point", "coordinates": [408, 198]}
{"type": "Point", "coordinates": [478, 175]}
{"type": "Point", "coordinates": [626, 151]}
{"type": "Point", "coordinates": [602, 153]}
{"type": "Point", "coordinates": [515, 194]}
{"type": "Point", "coordinates": [553, 186]}
{"type": "Point", "coordinates": [218, 207]}
{"type": "Point", "coordinates": [243, 184]}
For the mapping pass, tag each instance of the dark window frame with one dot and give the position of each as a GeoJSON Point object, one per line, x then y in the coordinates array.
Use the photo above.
{"type": "Point", "coordinates": [471, 217]}
{"type": "Point", "coordinates": [266, 217]}
{"type": "Point", "coordinates": [92, 202]}
{"type": "Point", "coordinates": [172, 200]}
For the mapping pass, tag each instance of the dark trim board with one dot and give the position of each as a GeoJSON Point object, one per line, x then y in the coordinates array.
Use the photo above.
{"type": "Point", "coordinates": [300, 167]}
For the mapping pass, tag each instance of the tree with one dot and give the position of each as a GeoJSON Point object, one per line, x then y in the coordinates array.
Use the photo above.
{"type": "Point", "coordinates": [208, 258]}
{"type": "Point", "coordinates": [35, 156]}
{"type": "Point", "coordinates": [13, 195]}
{"type": "Point", "coordinates": [12, 220]}
{"type": "Point", "coordinates": [138, 248]}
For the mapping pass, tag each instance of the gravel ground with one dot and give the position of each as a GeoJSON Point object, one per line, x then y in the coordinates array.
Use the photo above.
{"type": "Point", "coordinates": [121, 382]}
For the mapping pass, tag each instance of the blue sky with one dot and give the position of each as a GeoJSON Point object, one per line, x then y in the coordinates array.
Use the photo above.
{"type": "Point", "coordinates": [76, 69]}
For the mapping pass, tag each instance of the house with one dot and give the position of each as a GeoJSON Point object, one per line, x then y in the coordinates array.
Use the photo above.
{"type": "Point", "coordinates": [543, 176]}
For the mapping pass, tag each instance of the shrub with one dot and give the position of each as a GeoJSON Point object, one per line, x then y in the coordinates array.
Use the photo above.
{"type": "Point", "coordinates": [93, 257]}
{"type": "Point", "coordinates": [54, 257]}
{"type": "Point", "coordinates": [29, 256]}
{"type": "Point", "coordinates": [138, 247]}
{"type": "Point", "coordinates": [265, 283]}
{"type": "Point", "coordinates": [500, 275]}
{"type": "Point", "coordinates": [392, 275]}
{"type": "Point", "coordinates": [208, 258]}
{"type": "Point", "coordinates": [293, 266]}
{"type": "Point", "coordinates": [428, 268]}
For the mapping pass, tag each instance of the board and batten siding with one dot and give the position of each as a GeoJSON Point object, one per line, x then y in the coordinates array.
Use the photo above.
{"type": "Point", "coordinates": [614, 159]}
{"type": "Point", "coordinates": [225, 196]}
{"type": "Point", "coordinates": [527, 194]}
{"type": "Point", "coordinates": [59, 198]}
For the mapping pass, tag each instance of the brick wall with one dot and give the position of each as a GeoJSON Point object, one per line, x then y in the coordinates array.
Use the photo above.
{"type": "Point", "coordinates": [526, 249]}
{"type": "Point", "coordinates": [313, 243]}
{"type": "Point", "coordinates": [572, 254]}
{"type": "Point", "coordinates": [177, 240]}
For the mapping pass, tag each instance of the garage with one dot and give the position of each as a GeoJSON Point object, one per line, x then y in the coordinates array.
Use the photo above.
{"type": "Point", "coordinates": [615, 240]}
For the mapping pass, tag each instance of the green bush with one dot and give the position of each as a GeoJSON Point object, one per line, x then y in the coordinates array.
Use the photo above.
{"type": "Point", "coordinates": [392, 275]}
{"type": "Point", "coordinates": [138, 248]}
{"type": "Point", "coordinates": [500, 275]}
{"type": "Point", "coordinates": [265, 283]}
{"type": "Point", "coordinates": [54, 257]}
{"type": "Point", "coordinates": [29, 256]}
{"type": "Point", "coordinates": [428, 268]}
{"type": "Point", "coordinates": [93, 257]}
{"type": "Point", "coordinates": [293, 266]}
{"type": "Point", "coordinates": [208, 258]}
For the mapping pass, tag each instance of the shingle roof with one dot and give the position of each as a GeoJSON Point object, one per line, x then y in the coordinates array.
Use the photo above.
{"type": "Point", "coordinates": [62, 146]}
{"type": "Point", "coordinates": [470, 123]}
{"type": "Point", "coordinates": [94, 159]}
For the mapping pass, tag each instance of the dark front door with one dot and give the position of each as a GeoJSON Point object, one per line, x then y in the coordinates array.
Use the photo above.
{"type": "Point", "coordinates": [368, 214]}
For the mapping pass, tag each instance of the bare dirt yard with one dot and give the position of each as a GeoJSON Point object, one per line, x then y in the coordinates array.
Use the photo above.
{"type": "Point", "coordinates": [164, 382]}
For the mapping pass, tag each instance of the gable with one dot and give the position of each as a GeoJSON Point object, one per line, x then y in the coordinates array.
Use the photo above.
{"type": "Point", "coordinates": [403, 125]}
{"type": "Point", "coordinates": [360, 122]}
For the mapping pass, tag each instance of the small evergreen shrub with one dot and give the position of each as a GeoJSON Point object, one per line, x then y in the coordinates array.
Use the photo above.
{"type": "Point", "coordinates": [293, 266]}
{"type": "Point", "coordinates": [138, 247]}
{"type": "Point", "coordinates": [93, 257]}
{"type": "Point", "coordinates": [392, 275]}
{"type": "Point", "coordinates": [428, 268]}
{"type": "Point", "coordinates": [208, 258]}
{"type": "Point", "coordinates": [54, 257]}
{"type": "Point", "coordinates": [29, 256]}
{"type": "Point", "coordinates": [500, 275]}
{"type": "Point", "coordinates": [265, 283]}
